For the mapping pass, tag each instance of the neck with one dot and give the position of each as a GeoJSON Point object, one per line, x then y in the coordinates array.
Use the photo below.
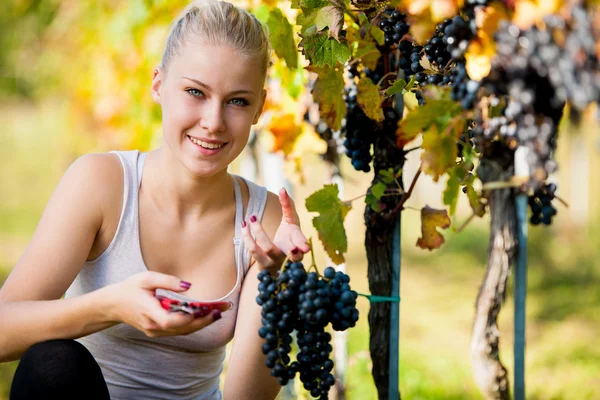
{"type": "Point", "coordinates": [175, 190]}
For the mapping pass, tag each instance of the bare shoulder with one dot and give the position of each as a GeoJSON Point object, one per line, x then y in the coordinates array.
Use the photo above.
{"type": "Point", "coordinates": [67, 229]}
{"type": "Point", "coordinates": [98, 167]}
{"type": "Point", "coordinates": [272, 214]}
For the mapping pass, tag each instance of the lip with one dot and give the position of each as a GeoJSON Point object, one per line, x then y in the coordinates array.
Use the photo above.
{"type": "Point", "coordinates": [204, 151]}
{"type": "Point", "coordinates": [206, 140]}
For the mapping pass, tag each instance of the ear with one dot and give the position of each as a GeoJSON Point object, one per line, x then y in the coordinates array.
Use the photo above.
{"type": "Point", "coordinates": [260, 107]}
{"type": "Point", "coordinates": [157, 79]}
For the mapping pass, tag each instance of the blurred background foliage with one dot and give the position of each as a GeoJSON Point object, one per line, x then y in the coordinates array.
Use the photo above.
{"type": "Point", "coordinates": [75, 78]}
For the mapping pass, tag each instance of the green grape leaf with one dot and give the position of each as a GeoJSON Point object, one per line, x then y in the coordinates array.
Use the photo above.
{"type": "Point", "coordinates": [378, 189]}
{"type": "Point", "coordinates": [330, 221]}
{"type": "Point", "coordinates": [282, 38]}
{"type": "Point", "coordinates": [367, 52]}
{"type": "Point", "coordinates": [327, 92]}
{"type": "Point", "coordinates": [322, 50]}
{"type": "Point", "coordinates": [309, 4]}
{"type": "Point", "coordinates": [455, 176]}
{"type": "Point", "coordinates": [439, 151]}
{"type": "Point", "coordinates": [474, 197]}
{"type": "Point", "coordinates": [397, 87]}
{"type": "Point", "coordinates": [332, 17]}
{"type": "Point", "coordinates": [431, 219]}
{"type": "Point", "coordinates": [362, 44]}
{"type": "Point", "coordinates": [369, 99]}
{"type": "Point", "coordinates": [401, 86]}
{"type": "Point", "coordinates": [377, 34]}
{"type": "Point", "coordinates": [388, 175]}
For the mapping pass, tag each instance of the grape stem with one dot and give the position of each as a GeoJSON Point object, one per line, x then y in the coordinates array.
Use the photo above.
{"type": "Point", "coordinates": [411, 208]}
{"type": "Point", "coordinates": [406, 195]}
{"type": "Point", "coordinates": [361, 58]}
{"type": "Point", "coordinates": [313, 264]}
{"type": "Point", "coordinates": [389, 192]}
{"type": "Point", "coordinates": [564, 203]}
{"type": "Point", "coordinates": [385, 76]}
{"type": "Point", "coordinates": [464, 224]}
{"type": "Point", "coordinates": [413, 149]}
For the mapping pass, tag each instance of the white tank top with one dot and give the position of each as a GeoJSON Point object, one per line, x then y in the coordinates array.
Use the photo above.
{"type": "Point", "coordinates": [177, 367]}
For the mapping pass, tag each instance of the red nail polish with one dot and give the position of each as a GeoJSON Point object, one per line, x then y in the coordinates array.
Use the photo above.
{"type": "Point", "coordinates": [243, 224]}
{"type": "Point", "coordinates": [252, 218]}
{"type": "Point", "coordinates": [295, 251]}
{"type": "Point", "coordinates": [216, 315]}
{"type": "Point", "coordinates": [184, 285]}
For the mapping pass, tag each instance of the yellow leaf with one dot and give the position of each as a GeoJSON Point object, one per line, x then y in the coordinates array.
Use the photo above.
{"type": "Point", "coordinates": [286, 131]}
{"type": "Point", "coordinates": [483, 47]}
{"type": "Point", "coordinates": [431, 219]}
{"type": "Point", "coordinates": [529, 12]}
{"type": "Point", "coordinates": [442, 9]}
{"type": "Point", "coordinates": [479, 61]}
{"type": "Point", "coordinates": [309, 142]}
{"type": "Point", "coordinates": [369, 99]}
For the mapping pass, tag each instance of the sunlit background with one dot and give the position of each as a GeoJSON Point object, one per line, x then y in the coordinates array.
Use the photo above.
{"type": "Point", "coordinates": [75, 78]}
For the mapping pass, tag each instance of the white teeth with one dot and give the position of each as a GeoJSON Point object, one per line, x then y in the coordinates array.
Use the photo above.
{"type": "Point", "coordinates": [206, 145]}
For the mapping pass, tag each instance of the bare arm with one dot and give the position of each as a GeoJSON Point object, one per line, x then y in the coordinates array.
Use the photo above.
{"type": "Point", "coordinates": [247, 375]}
{"type": "Point", "coordinates": [29, 309]}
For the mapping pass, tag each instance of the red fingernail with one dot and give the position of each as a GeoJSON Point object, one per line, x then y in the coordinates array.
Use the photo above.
{"type": "Point", "coordinates": [243, 224]}
{"type": "Point", "coordinates": [185, 285]}
{"type": "Point", "coordinates": [295, 251]}
{"type": "Point", "coordinates": [216, 315]}
{"type": "Point", "coordinates": [252, 218]}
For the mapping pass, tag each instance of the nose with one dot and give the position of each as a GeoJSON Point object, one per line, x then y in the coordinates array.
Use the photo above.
{"type": "Point", "coordinates": [212, 117]}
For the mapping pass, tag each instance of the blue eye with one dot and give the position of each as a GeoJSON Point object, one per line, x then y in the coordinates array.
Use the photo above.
{"type": "Point", "coordinates": [240, 102]}
{"type": "Point", "coordinates": [194, 92]}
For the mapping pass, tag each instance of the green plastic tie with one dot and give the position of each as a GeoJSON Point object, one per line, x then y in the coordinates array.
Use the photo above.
{"type": "Point", "coordinates": [380, 299]}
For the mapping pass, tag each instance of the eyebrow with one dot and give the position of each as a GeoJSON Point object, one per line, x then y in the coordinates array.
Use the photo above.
{"type": "Point", "coordinates": [204, 85]}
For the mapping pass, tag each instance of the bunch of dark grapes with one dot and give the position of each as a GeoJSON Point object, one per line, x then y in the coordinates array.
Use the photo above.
{"type": "Point", "coordinates": [541, 206]}
{"type": "Point", "coordinates": [394, 26]}
{"type": "Point", "coordinates": [436, 52]}
{"type": "Point", "coordinates": [538, 70]}
{"type": "Point", "coordinates": [457, 35]}
{"type": "Point", "coordinates": [358, 129]}
{"type": "Point", "coordinates": [306, 303]}
{"type": "Point", "coordinates": [464, 89]}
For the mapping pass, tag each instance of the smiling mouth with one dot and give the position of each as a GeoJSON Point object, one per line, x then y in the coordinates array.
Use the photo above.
{"type": "Point", "coordinates": [208, 146]}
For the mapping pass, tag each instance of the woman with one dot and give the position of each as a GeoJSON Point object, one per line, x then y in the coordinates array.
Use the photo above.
{"type": "Point", "coordinates": [123, 224]}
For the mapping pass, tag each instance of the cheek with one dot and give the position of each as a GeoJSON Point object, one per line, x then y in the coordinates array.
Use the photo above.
{"type": "Point", "coordinates": [179, 113]}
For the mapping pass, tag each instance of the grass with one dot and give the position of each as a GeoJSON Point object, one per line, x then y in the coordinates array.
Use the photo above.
{"type": "Point", "coordinates": [438, 289]}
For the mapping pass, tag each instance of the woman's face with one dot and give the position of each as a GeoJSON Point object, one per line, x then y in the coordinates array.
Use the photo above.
{"type": "Point", "coordinates": [210, 97]}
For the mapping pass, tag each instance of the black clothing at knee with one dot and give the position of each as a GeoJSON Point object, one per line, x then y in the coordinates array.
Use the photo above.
{"type": "Point", "coordinates": [58, 369]}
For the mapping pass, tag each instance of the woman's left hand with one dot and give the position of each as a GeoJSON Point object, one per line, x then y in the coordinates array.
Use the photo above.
{"type": "Point", "coordinates": [288, 241]}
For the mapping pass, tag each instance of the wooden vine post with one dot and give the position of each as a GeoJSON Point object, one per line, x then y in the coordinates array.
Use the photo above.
{"type": "Point", "coordinates": [380, 245]}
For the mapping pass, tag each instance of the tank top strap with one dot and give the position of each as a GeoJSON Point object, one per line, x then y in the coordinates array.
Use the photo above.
{"type": "Point", "coordinates": [140, 167]}
{"type": "Point", "coordinates": [256, 206]}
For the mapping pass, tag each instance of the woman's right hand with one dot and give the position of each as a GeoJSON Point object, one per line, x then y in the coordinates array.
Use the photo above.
{"type": "Point", "coordinates": [132, 302]}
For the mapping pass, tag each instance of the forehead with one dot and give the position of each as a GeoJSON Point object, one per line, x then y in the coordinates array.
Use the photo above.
{"type": "Point", "coordinates": [219, 66]}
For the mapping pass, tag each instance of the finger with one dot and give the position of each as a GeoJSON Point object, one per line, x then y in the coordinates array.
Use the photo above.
{"type": "Point", "coordinates": [170, 320]}
{"type": "Point", "coordinates": [255, 251]}
{"type": "Point", "coordinates": [264, 241]}
{"type": "Point", "coordinates": [153, 280]}
{"type": "Point", "coordinates": [300, 241]}
{"type": "Point", "coordinates": [296, 255]}
{"type": "Point", "coordinates": [287, 208]}
{"type": "Point", "coordinates": [204, 321]}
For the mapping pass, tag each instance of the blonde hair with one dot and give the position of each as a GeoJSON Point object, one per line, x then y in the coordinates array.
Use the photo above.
{"type": "Point", "coordinates": [219, 23]}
